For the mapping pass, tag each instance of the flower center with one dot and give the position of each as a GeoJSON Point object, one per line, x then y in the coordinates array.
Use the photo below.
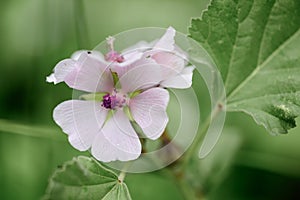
{"type": "Point", "coordinates": [114, 100]}
{"type": "Point", "coordinates": [112, 55]}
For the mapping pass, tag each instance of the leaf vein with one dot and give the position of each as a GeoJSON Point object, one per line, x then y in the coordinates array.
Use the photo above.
{"type": "Point", "coordinates": [254, 72]}
{"type": "Point", "coordinates": [264, 96]}
{"type": "Point", "coordinates": [264, 35]}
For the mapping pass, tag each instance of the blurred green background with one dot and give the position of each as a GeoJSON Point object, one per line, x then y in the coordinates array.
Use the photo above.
{"type": "Point", "coordinates": [247, 163]}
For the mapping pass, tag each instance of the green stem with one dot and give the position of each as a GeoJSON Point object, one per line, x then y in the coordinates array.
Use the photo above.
{"type": "Point", "coordinates": [187, 191]}
{"type": "Point", "coordinates": [199, 137]}
{"type": "Point", "coordinates": [30, 131]}
{"type": "Point", "coordinates": [122, 176]}
{"type": "Point", "coordinates": [80, 25]}
{"type": "Point", "coordinates": [123, 172]}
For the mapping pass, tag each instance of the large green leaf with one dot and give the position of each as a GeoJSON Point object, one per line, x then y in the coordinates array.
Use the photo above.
{"type": "Point", "coordinates": [85, 178]}
{"type": "Point", "coordinates": [256, 46]}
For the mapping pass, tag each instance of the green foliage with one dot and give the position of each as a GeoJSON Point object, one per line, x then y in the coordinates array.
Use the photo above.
{"type": "Point", "coordinates": [255, 45]}
{"type": "Point", "coordinates": [30, 152]}
{"type": "Point", "coordinates": [85, 178]}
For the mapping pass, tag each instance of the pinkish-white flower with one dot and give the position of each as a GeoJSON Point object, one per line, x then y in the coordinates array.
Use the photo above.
{"type": "Point", "coordinates": [104, 125]}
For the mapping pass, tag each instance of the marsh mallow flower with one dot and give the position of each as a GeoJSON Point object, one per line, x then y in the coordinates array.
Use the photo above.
{"type": "Point", "coordinates": [103, 124]}
{"type": "Point", "coordinates": [128, 86]}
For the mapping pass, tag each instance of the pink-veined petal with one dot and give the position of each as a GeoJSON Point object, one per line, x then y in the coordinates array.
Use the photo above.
{"type": "Point", "coordinates": [148, 109]}
{"type": "Point", "coordinates": [142, 76]}
{"type": "Point", "coordinates": [92, 75]}
{"type": "Point", "coordinates": [141, 46]}
{"type": "Point", "coordinates": [182, 80]}
{"type": "Point", "coordinates": [61, 70]}
{"type": "Point", "coordinates": [117, 140]}
{"type": "Point", "coordinates": [66, 66]}
{"type": "Point", "coordinates": [134, 53]}
{"type": "Point", "coordinates": [169, 59]}
{"type": "Point", "coordinates": [81, 120]}
{"type": "Point", "coordinates": [121, 70]}
{"type": "Point", "coordinates": [171, 64]}
{"type": "Point", "coordinates": [130, 58]}
{"type": "Point", "coordinates": [166, 42]}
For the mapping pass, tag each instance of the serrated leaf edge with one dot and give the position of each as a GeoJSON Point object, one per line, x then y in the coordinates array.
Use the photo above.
{"type": "Point", "coordinates": [75, 160]}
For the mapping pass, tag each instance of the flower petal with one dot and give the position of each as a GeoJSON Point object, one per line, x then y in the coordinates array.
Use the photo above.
{"type": "Point", "coordinates": [140, 46]}
{"type": "Point", "coordinates": [123, 69]}
{"type": "Point", "coordinates": [148, 109]}
{"type": "Point", "coordinates": [172, 64]}
{"type": "Point", "coordinates": [81, 120]}
{"type": "Point", "coordinates": [182, 80]}
{"type": "Point", "coordinates": [67, 66]}
{"type": "Point", "coordinates": [76, 55]}
{"type": "Point", "coordinates": [61, 70]}
{"type": "Point", "coordinates": [91, 75]}
{"type": "Point", "coordinates": [130, 58]}
{"type": "Point", "coordinates": [134, 53]}
{"type": "Point", "coordinates": [166, 42]}
{"type": "Point", "coordinates": [141, 76]}
{"type": "Point", "coordinates": [117, 140]}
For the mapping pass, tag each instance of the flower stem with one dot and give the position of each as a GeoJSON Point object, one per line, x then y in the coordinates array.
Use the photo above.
{"type": "Point", "coordinates": [200, 136]}
{"type": "Point", "coordinates": [80, 25]}
{"type": "Point", "coordinates": [123, 172]}
{"type": "Point", "coordinates": [188, 191]}
{"type": "Point", "coordinates": [121, 176]}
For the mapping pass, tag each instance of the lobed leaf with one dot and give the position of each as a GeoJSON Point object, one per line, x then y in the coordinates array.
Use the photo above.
{"type": "Point", "coordinates": [85, 178]}
{"type": "Point", "coordinates": [255, 44]}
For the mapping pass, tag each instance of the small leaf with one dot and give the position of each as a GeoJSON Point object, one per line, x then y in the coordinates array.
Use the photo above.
{"type": "Point", "coordinates": [86, 178]}
{"type": "Point", "coordinates": [255, 44]}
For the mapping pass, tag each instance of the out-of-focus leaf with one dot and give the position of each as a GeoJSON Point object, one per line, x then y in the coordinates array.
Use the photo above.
{"type": "Point", "coordinates": [255, 44]}
{"type": "Point", "coordinates": [215, 166]}
{"type": "Point", "coordinates": [86, 178]}
{"type": "Point", "coordinates": [212, 170]}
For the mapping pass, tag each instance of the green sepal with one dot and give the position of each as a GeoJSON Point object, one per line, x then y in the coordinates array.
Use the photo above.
{"type": "Point", "coordinates": [93, 96]}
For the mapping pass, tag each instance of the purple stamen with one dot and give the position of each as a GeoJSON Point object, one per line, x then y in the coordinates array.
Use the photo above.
{"type": "Point", "coordinates": [111, 101]}
{"type": "Point", "coordinates": [106, 102]}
